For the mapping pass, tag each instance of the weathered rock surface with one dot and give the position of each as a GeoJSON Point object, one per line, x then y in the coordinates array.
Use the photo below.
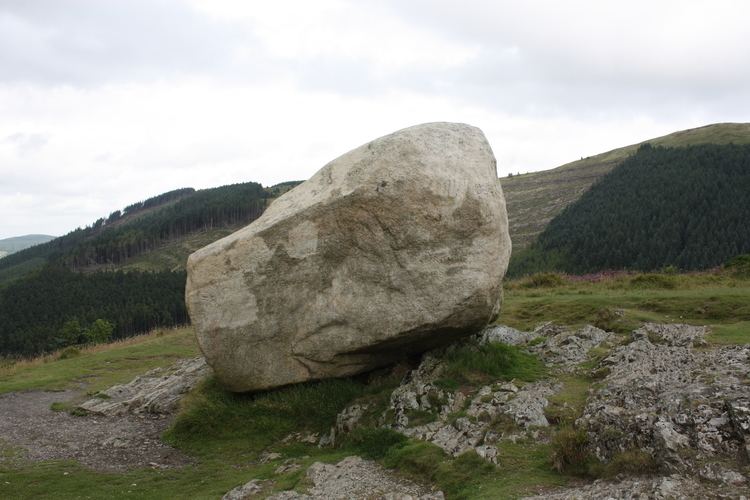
{"type": "Point", "coordinates": [556, 345]}
{"type": "Point", "coordinates": [247, 490]}
{"type": "Point", "coordinates": [397, 246]}
{"type": "Point", "coordinates": [156, 392]}
{"type": "Point", "coordinates": [354, 477]}
{"type": "Point", "coordinates": [565, 348]}
{"type": "Point", "coordinates": [638, 488]}
{"type": "Point", "coordinates": [673, 334]}
{"type": "Point", "coordinates": [506, 335]}
{"type": "Point", "coordinates": [682, 406]}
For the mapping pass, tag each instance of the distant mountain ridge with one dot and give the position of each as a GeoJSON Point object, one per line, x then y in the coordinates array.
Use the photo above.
{"type": "Point", "coordinates": [534, 199]}
{"type": "Point", "coordinates": [18, 243]}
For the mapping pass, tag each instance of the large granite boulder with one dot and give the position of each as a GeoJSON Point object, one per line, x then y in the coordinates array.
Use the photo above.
{"type": "Point", "coordinates": [396, 247]}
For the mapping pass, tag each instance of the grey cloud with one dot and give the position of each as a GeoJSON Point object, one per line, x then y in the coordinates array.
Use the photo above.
{"type": "Point", "coordinates": [586, 59]}
{"type": "Point", "coordinates": [92, 41]}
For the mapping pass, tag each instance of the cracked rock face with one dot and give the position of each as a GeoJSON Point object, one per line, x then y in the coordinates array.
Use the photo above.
{"type": "Point", "coordinates": [680, 405]}
{"type": "Point", "coordinates": [398, 246]}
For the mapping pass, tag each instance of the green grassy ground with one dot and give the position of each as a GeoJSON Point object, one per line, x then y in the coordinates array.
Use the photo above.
{"type": "Point", "coordinates": [226, 433]}
{"type": "Point", "coordinates": [624, 302]}
{"type": "Point", "coordinates": [101, 366]}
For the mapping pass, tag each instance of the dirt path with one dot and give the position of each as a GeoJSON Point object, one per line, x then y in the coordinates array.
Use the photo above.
{"type": "Point", "coordinates": [101, 443]}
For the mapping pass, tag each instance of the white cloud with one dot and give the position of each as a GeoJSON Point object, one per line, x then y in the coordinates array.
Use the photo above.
{"type": "Point", "coordinates": [106, 103]}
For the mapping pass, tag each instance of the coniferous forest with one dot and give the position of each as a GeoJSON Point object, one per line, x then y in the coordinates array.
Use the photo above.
{"type": "Point", "coordinates": [47, 288]}
{"type": "Point", "coordinates": [683, 207]}
{"type": "Point", "coordinates": [36, 309]}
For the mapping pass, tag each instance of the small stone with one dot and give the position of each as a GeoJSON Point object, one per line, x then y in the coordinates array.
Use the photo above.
{"type": "Point", "coordinates": [247, 490]}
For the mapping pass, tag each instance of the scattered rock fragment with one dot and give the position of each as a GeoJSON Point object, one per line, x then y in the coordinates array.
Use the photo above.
{"type": "Point", "coordinates": [354, 477]}
{"type": "Point", "coordinates": [157, 392]}
{"type": "Point", "coordinates": [673, 487]}
{"type": "Point", "coordinates": [505, 335]}
{"type": "Point", "coordinates": [247, 490]}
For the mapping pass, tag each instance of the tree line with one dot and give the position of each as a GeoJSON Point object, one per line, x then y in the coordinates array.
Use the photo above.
{"type": "Point", "coordinates": [684, 207]}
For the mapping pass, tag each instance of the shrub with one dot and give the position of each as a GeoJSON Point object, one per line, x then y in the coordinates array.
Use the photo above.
{"type": "Point", "coordinates": [100, 332]}
{"type": "Point", "coordinates": [68, 353]}
{"type": "Point", "coordinates": [610, 320]}
{"type": "Point", "coordinates": [653, 281]}
{"type": "Point", "coordinates": [543, 280]}
{"type": "Point", "coordinates": [373, 442]}
{"type": "Point", "coordinates": [739, 266]}
{"type": "Point", "coordinates": [631, 462]}
{"type": "Point", "coordinates": [570, 453]}
{"type": "Point", "coordinates": [428, 463]}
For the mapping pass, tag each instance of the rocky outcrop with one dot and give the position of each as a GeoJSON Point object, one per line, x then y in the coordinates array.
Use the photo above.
{"type": "Point", "coordinates": [494, 413]}
{"type": "Point", "coordinates": [156, 392]}
{"type": "Point", "coordinates": [354, 477]}
{"type": "Point", "coordinates": [398, 246]}
{"type": "Point", "coordinates": [505, 335]}
{"type": "Point", "coordinates": [558, 346]}
{"type": "Point", "coordinates": [681, 406]}
{"type": "Point", "coordinates": [673, 334]}
{"type": "Point", "coordinates": [673, 487]}
{"type": "Point", "coordinates": [565, 349]}
{"type": "Point", "coordinates": [459, 421]}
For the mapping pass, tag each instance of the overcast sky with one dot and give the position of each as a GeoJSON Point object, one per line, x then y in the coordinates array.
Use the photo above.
{"type": "Point", "coordinates": [104, 102]}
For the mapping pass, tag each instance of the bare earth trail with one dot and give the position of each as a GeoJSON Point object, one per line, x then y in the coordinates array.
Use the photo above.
{"type": "Point", "coordinates": [102, 443]}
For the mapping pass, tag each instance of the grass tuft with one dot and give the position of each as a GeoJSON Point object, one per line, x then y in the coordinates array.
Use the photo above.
{"type": "Point", "coordinates": [373, 442]}
{"type": "Point", "coordinates": [570, 453]}
{"type": "Point", "coordinates": [472, 365]}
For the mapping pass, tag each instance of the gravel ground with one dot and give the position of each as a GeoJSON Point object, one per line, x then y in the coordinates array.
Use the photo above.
{"type": "Point", "coordinates": [102, 443]}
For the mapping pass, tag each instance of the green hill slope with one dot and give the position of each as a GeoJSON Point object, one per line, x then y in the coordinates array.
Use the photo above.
{"type": "Point", "coordinates": [17, 243]}
{"type": "Point", "coordinates": [536, 198]}
{"type": "Point", "coordinates": [684, 207]}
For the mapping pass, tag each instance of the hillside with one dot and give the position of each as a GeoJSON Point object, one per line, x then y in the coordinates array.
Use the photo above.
{"type": "Point", "coordinates": [536, 198]}
{"type": "Point", "coordinates": [683, 207]}
{"type": "Point", "coordinates": [17, 243]}
{"type": "Point", "coordinates": [126, 270]}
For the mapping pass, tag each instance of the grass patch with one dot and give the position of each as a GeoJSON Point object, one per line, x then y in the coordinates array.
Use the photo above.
{"type": "Point", "coordinates": [567, 405]}
{"type": "Point", "coordinates": [542, 280]}
{"type": "Point", "coordinates": [373, 442]}
{"type": "Point", "coordinates": [63, 406]}
{"type": "Point", "coordinates": [100, 366]}
{"type": "Point", "coordinates": [615, 303]}
{"type": "Point", "coordinates": [472, 365]}
{"type": "Point", "coordinates": [426, 462]}
{"type": "Point", "coordinates": [733, 333]}
{"type": "Point", "coordinates": [633, 462]}
{"type": "Point", "coordinates": [653, 280]}
{"type": "Point", "coordinates": [214, 421]}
